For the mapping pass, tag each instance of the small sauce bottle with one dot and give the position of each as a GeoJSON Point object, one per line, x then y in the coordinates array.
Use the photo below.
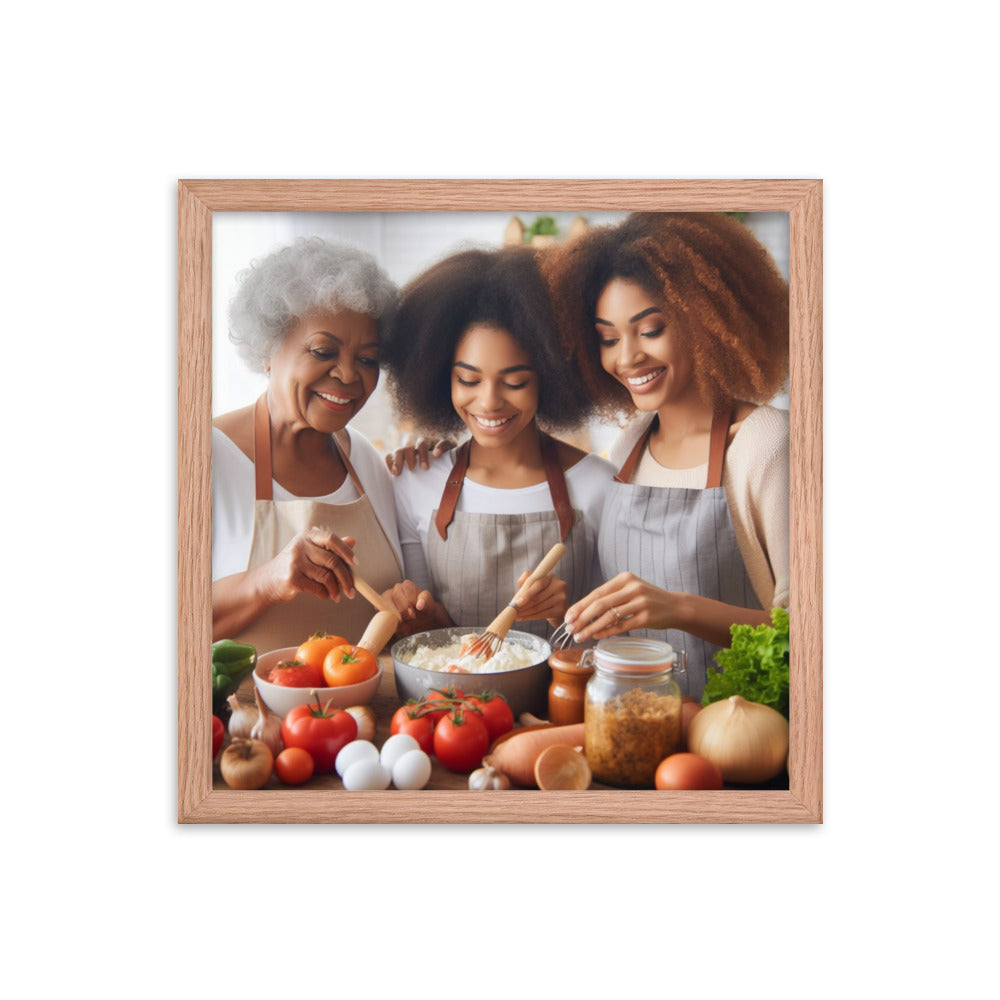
{"type": "Point", "coordinates": [566, 692]}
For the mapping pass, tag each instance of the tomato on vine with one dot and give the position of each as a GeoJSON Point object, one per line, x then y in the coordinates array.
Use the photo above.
{"type": "Point", "coordinates": [494, 712]}
{"type": "Point", "coordinates": [447, 697]}
{"type": "Point", "coordinates": [416, 721]}
{"type": "Point", "coordinates": [460, 740]}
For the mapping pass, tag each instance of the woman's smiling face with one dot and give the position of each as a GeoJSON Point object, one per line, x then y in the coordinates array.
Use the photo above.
{"type": "Point", "coordinates": [641, 347]}
{"type": "Point", "coordinates": [325, 369]}
{"type": "Point", "coordinates": [494, 386]}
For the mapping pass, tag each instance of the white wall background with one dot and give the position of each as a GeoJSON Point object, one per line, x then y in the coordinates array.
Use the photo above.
{"type": "Point", "coordinates": [107, 106]}
{"type": "Point", "coordinates": [405, 243]}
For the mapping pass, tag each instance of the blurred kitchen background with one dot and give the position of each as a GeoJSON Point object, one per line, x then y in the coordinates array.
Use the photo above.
{"type": "Point", "coordinates": [405, 243]}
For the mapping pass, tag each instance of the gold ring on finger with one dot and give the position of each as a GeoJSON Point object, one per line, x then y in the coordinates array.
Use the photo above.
{"type": "Point", "coordinates": [617, 614]}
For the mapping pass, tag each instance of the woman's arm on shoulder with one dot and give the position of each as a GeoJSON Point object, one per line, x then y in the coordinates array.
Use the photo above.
{"type": "Point", "coordinates": [422, 452]}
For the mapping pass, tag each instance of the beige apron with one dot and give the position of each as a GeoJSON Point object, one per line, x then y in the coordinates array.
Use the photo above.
{"type": "Point", "coordinates": [276, 522]}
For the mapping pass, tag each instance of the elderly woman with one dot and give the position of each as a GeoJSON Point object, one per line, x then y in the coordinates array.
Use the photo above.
{"type": "Point", "coordinates": [475, 349]}
{"type": "Point", "coordinates": [299, 497]}
{"type": "Point", "coordinates": [682, 321]}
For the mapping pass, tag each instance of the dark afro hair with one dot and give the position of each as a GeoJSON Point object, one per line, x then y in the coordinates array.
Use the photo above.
{"type": "Point", "coordinates": [503, 288]}
{"type": "Point", "coordinates": [709, 273]}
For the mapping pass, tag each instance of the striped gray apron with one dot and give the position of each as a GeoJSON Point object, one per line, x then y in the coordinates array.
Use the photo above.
{"type": "Point", "coordinates": [475, 559]}
{"type": "Point", "coordinates": [681, 540]}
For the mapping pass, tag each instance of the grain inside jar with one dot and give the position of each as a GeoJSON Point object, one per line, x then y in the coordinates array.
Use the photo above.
{"type": "Point", "coordinates": [627, 736]}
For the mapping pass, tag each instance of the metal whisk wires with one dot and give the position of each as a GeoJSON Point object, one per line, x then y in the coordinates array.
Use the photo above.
{"type": "Point", "coordinates": [562, 638]}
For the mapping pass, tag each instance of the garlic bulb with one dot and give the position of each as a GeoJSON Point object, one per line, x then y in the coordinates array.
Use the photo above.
{"type": "Point", "coordinates": [748, 741]}
{"type": "Point", "coordinates": [267, 728]}
{"type": "Point", "coordinates": [488, 779]}
{"type": "Point", "coordinates": [242, 719]}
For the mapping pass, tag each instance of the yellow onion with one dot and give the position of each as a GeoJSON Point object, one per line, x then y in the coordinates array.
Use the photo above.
{"type": "Point", "coordinates": [747, 741]}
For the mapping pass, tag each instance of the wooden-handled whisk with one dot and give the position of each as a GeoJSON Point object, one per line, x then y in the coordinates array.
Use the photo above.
{"type": "Point", "coordinates": [486, 645]}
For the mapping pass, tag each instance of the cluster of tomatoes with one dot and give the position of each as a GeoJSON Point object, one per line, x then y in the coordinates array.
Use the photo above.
{"type": "Point", "coordinates": [325, 660]}
{"type": "Point", "coordinates": [456, 728]}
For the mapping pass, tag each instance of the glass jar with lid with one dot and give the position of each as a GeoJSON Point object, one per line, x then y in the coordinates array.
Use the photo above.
{"type": "Point", "coordinates": [632, 709]}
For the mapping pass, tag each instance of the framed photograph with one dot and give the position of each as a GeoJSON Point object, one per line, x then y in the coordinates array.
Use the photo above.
{"type": "Point", "coordinates": [214, 217]}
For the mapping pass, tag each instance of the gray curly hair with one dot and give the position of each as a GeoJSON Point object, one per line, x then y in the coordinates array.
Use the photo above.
{"type": "Point", "coordinates": [286, 285]}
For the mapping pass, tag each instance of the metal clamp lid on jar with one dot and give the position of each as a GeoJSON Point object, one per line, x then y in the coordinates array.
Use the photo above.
{"type": "Point", "coordinates": [632, 655]}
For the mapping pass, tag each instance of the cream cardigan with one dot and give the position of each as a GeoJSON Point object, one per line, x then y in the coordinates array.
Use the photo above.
{"type": "Point", "coordinates": [755, 478]}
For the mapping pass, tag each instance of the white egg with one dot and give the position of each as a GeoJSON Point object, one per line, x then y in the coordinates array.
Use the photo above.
{"type": "Point", "coordinates": [412, 770]}
{"type": "Point", "coordinates": [366, 776]}
{"type": "Point", "coordinates": [394, 748]}
{"type": "Point", "coordinates": [354, 751]}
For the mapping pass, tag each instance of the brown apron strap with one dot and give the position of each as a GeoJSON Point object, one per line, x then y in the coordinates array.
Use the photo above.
{"type": "Point", "coordinates": [449, 498]}
{"type": "Point", "coordinates": [347, 463]}
{"type": "Point", "coordinates": [557, 484]}
{"type": "Point", "coordinates": [628, 469]}
{"type": "Point", "coordinates": [721, 421]}
{"type": "Point", "coordinates": [263, 471]}
{"type": "Point", "coordinates": [262, 450]}
{"type": "Point", "coordinates": [553, 474]}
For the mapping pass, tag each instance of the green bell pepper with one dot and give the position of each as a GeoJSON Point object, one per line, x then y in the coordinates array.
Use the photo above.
{"type": "Point", "coordinates": [231, 662]}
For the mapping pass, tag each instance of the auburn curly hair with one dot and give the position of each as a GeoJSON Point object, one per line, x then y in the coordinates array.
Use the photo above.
{"type": "Point", "coordinates": [504, 288]}
{"type": "Point", "coordinates": [710, 274]}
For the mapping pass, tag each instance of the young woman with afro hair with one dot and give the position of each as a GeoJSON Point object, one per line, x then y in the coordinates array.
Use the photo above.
{"type": "Point", "coordinates": [475, 352]}
{"type": "Point", "coordinates": [681, 320]}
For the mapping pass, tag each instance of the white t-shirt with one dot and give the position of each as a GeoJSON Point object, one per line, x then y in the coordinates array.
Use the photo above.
{"type": "Point", "coordinates": [418, 494]}
{"type": "Point", "coordinates": [233, 498]}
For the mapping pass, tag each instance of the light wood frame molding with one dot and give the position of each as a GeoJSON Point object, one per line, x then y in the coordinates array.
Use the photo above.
{"type": "Point", "coordinates": [802, 802]}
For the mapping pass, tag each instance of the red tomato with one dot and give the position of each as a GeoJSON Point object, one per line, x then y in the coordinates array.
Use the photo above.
{"type": "Point", "coordinates": [460, 740]}
{"type": "Point", "coordinates": [322, 730]}
{"type": "Point", "coordinates": [348, 664]}
{"type": "Point", "coordinates": [687, 772]}
{"type": "Point", "coordinates": [295, 674]}
{"type": "Point", "coordinates": [409, 720]}
{"type": "Point", "coordinates": [294, 765]}
{"type": "Point", "coordinates": [218, 735]}
{"type": "Point", "coordinates": [444, 695]}
{"type": "Point", "coordinates": [494, 712]}
{"type": "Point", "coordinates": [313, 651]}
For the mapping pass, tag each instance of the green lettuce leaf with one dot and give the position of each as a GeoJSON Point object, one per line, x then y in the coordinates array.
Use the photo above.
{"type": "Point", "coordinates": [755, 666]}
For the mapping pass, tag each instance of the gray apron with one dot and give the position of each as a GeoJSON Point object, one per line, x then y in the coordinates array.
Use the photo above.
{"type": "Point", "coordinates": [681, 540]}
{"type": "Point", "coordinates": [475, 559]}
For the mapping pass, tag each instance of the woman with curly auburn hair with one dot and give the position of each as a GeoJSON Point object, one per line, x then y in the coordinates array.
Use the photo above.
{"type": "Point", "coordinates": [682, 321]}
{"type": "Point", "coordinates": [294, 488]}
{"type": "Point", "coordinates": [475, 347]}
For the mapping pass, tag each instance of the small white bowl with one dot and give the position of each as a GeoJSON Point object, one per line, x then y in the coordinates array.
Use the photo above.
{"type": "Point", "coordinates": [282, 700]}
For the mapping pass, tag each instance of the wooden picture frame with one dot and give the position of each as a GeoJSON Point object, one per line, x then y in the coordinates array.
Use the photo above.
{"type": "Point", "coordinates": [802, 802]}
